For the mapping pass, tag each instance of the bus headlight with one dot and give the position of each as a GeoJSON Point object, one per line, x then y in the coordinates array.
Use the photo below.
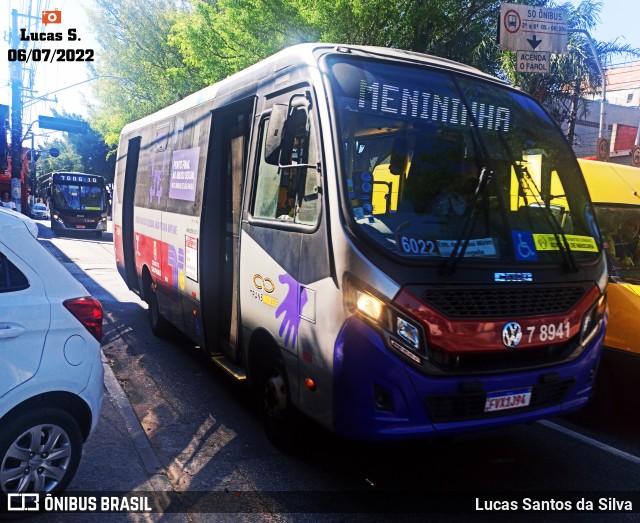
{"type": "Point", "coordinates": [592, 319]}
{"type": "Point", "coordinates": [369, 305]}
{"type": "Point", "coordinates": [400, 333]}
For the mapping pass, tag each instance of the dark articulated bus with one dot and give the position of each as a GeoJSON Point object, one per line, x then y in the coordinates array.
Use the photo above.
{"type": "Point", "coordinates": [77, 202]}
{"type": "Point", "coordinates": [396, 245]}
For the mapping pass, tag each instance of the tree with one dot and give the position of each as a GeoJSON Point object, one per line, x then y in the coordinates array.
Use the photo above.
{"type": "Point", "coordinates": [462, 31]}
{"type": "Point", "coordinates": [139, 70]}
{"type": "Point", "coordinates": [68, 159]}
{"type": "Point", "coordinates": [155, 53]}
{"type": "Point", "coordinates": [85, 152]}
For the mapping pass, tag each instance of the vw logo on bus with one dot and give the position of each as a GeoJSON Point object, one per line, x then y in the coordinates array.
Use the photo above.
{"type": "Point", "coordinates": [511, 334]}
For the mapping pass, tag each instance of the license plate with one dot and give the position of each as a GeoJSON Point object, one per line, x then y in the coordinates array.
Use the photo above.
{"type": "Point", "coordinates": [507, 400]}
{"type": "Point", "coordinates": [80, 227]}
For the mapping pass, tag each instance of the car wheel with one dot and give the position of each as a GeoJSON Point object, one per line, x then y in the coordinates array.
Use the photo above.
{"type": "Point", "coordinates": [39, 452]}
{"type": "Point", "coordinates": [159, 324]}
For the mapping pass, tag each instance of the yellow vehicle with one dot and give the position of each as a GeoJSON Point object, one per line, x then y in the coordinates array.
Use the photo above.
{"type": "Point", "coordinates": [615, 192]}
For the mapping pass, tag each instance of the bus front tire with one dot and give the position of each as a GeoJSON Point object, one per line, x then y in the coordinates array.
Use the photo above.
{"type": "Point", "coordinates": [277, 412]}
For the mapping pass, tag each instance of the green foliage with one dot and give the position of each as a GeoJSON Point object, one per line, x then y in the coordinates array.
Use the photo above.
{"type": "Point", "coordinates": [69, 159]}
{"type": "Point", "coordinates": [140, 70]}
{"type": "Point", "coordinates": [462, 31]}
{"type": "Point", "coordinates": [221, 38]}
{"type": "Point", "coordinates": [574, 75]}
{"type": "Point", "coordinates": [85, 152]}
{"type": "Point", "coordinates": [155, 53]}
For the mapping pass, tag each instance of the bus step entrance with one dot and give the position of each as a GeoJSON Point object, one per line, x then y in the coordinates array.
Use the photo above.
{"type": "Point", "coordinates": [227, 365]}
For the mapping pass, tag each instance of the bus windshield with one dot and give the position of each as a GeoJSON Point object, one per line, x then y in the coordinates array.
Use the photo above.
{"type": "Point", "coordinates": [435, 160]}
{"type": "Point", "coordinates": [76, 197]}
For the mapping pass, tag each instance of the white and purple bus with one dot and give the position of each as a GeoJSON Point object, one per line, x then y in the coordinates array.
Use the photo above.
{"type": "Point", "coordinates": [396, 245]}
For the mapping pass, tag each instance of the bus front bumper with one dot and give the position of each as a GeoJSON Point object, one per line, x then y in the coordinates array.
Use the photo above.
{"type": "Point", "coordinates": [378, 397]}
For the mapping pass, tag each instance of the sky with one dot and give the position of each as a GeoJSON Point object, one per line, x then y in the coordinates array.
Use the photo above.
{"type": "Point", "coordinates": [618, 20]}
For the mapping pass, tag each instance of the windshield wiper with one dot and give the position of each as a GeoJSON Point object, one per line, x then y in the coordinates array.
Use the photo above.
{"type": "Point", "coordinates": [527, 182]}
{"type": "Point", "coordinates": [486, 175]}
{"type": "Point", "coordinates": [460, 246]}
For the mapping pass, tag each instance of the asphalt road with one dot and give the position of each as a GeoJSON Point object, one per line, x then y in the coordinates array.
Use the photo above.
{"type": "Point", "coordinates": [176, 426]}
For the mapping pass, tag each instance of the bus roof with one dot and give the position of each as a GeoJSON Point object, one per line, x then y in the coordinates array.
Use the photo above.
{"type": "Point", "coordinates": [302, 54]}
{"type": "Point", "coordinates": [611, 183]}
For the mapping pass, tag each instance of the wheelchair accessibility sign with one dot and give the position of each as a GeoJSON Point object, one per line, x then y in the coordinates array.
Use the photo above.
{"type": "Point", "coordinates": [524, 245]}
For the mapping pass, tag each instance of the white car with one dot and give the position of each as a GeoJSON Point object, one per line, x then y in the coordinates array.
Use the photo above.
{"type": "Point", "coordinates": [39, 211]}
{"type": "Point", "coordinates": [51, 375]}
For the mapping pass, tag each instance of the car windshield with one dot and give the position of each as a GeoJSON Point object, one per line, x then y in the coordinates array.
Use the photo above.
{"type": "Point", "coordinates": [39, 207]}
{"type": "Point", "coordinates": [621, 232]}
{"type": "Point", "coordinates": [432, 161]}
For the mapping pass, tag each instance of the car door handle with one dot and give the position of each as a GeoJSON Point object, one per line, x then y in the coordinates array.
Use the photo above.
{"type": "Point", "coordinates": [11, 331]}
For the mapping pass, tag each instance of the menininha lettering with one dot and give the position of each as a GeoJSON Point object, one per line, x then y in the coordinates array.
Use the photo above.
{"type": "Point", "coordinates": [49, 37]}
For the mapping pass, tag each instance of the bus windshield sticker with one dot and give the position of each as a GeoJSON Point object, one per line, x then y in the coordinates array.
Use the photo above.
{"type": "Point", "coordinates": [524, 245]}
{"type": "Point", "coordinates": [485, 247]}
{"type": "Point", "coordinates": [184, 173]}
{"type": "Point", "coordinates": [389, 100]}
{"type": "Point", "coordinates": [547, 242]}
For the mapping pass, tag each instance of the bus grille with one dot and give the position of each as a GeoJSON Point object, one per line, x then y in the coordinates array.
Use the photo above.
{"type": "Point", "coordinates": [461, 407]}
{"type": "Point", "coordinates": [495, 303]}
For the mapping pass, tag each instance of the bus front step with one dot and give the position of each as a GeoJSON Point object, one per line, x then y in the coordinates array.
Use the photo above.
{"type": "Point", "coordinates": [228, 366]}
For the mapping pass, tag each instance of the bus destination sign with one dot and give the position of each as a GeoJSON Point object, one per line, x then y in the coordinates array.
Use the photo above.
{"type": "Point", "coordinates": [77, 178]}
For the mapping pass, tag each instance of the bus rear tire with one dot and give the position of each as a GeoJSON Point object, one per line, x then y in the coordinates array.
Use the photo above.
{"type": "Point", "coordinates": [158, 323]}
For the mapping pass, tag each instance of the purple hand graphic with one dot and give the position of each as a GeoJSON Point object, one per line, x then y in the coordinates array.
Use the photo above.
{"type": "Point", "coordinates": [290, 308]}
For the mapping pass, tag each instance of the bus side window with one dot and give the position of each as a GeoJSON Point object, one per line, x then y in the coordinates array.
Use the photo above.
{"type": "Point", "coordinates": [289, 193]}
{"type": "Point", "coordinates": [270, 192]}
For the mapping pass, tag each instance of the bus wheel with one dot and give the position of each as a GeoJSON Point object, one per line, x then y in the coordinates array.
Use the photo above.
{"type": "Point", "coordinates": [159, 324]}
{"type": "Point", "coordinates": [276, 407]}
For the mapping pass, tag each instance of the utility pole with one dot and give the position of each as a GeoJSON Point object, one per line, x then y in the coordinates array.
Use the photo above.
{"type": "Point", "coordinates": [16, 117]}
